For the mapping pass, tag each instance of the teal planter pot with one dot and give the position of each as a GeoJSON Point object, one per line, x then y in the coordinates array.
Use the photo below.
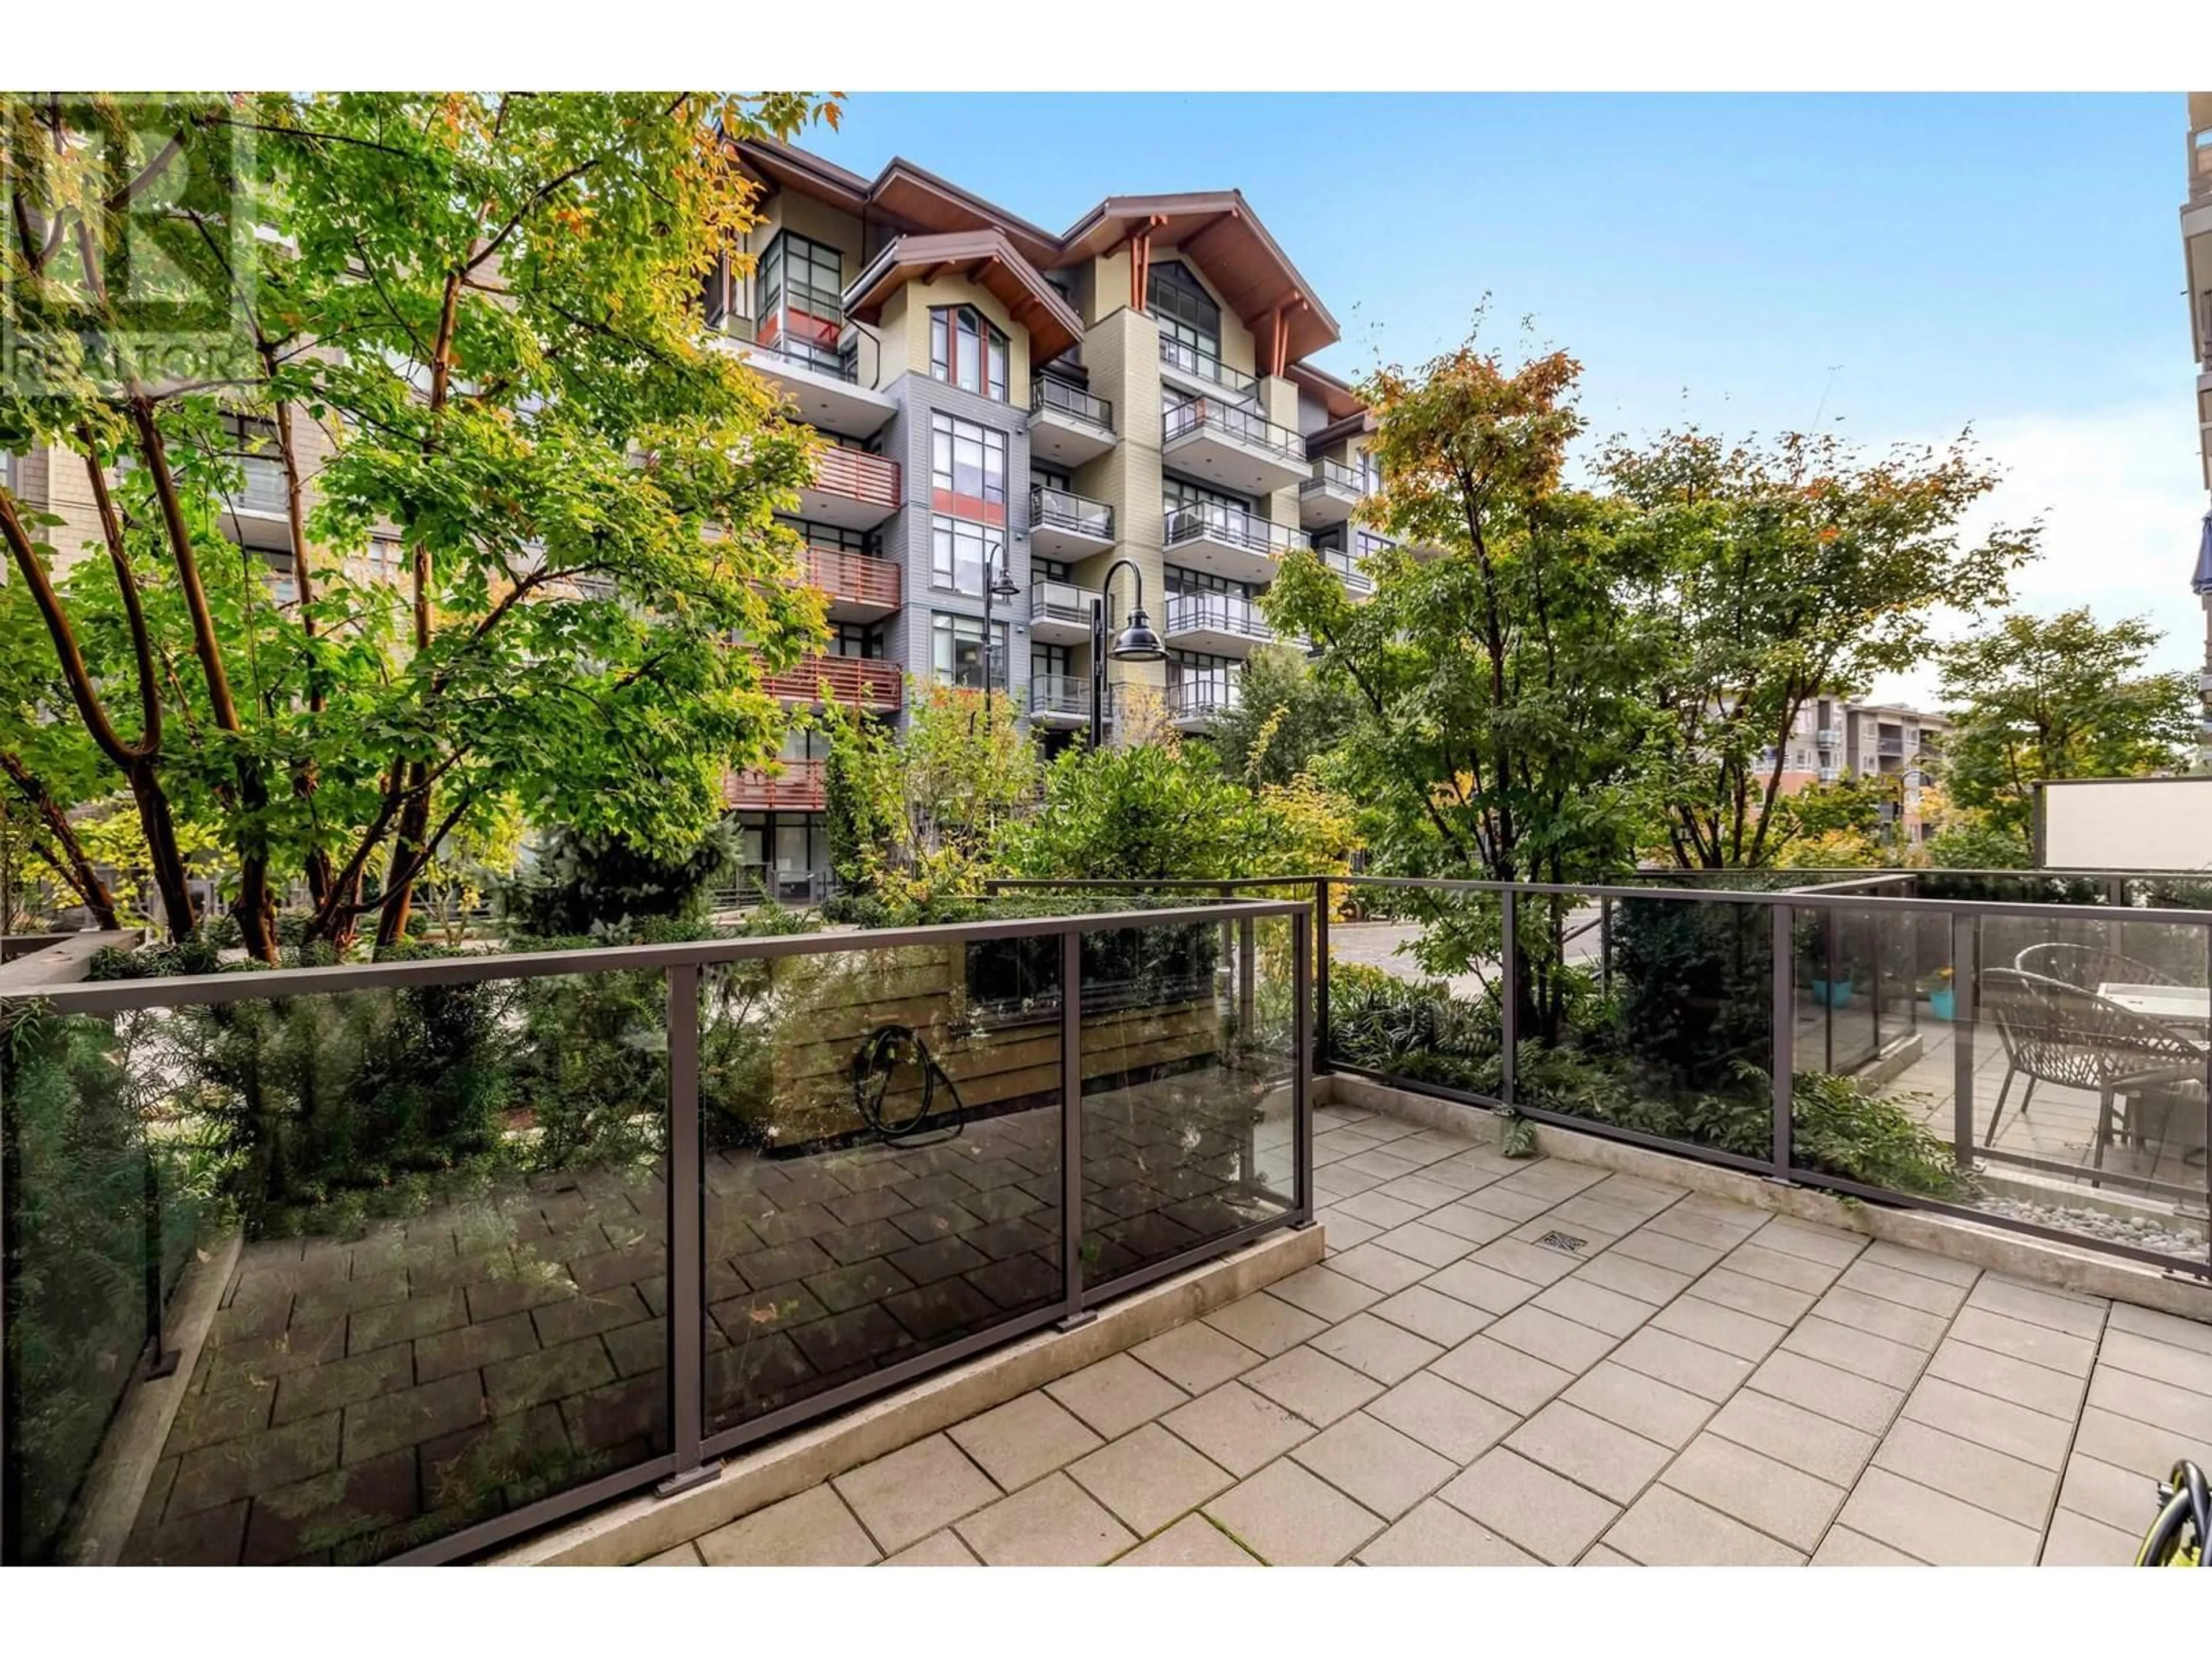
{"type": "Point", "coordinates": [1832, 992]}
{"type": "Point", "coordinates": [1940, 1003]}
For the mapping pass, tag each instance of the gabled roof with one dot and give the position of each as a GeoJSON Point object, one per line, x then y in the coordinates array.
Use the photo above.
{"type": "Point", "coordinates": [1215, 230]}
{"type": "Point", "coordinates": [987, 257]}
{"type": "Point", "coordinates": [1218, 231]}
{"type": "Point", "coordinates": [1334, 395]}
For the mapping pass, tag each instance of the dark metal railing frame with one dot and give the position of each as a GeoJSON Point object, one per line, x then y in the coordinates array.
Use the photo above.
{"type": "Point", "coordinates": [1077, 402]}
{"type": "Point", "coordinates": [694, 1454]}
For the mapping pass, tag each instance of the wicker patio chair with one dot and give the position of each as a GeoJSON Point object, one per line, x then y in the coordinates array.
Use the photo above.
{"type": "Point", "coordinates": [2085, 967]}
{"type": "Point", "coordinates": [2055, 1032]}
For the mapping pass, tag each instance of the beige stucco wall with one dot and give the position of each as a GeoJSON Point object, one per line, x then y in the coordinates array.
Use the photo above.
{"type": "Point", "coordinates": [1279, 401]}
{"type": "Point", "coordinates": [804, 216]}
{"type": "Point", "coordinates": [1122, 355]}
{"type": "Point", "coordinates": [905, 329]}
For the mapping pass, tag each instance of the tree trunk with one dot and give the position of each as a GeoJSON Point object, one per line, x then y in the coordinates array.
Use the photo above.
{"type": "Point", "coordinates": [170, 880]}
{"type": "Point", "coordinates": [70, 860]}
{"type": "Point", "coordinates": [406, 854]}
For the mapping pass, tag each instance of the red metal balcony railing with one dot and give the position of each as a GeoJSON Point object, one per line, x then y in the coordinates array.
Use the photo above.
{"type": "Point", "coordinates": [855, 578]}
{"type": "Point", "coordinates": [798, 788]}
{"type": "Point", "coordinates": [869, 681]}
{"type": "Point", "coordinates": [858, 475]}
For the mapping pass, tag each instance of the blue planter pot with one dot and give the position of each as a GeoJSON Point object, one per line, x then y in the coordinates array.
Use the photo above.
{"type": "Point", "coordinates": [1940, 1003]}
{"type": "Point", "coordinates": [1832, 994]}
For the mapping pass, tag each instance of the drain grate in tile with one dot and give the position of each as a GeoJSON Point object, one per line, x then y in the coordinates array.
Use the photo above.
{"type": "Point", "coordinates": [1566, 1242]}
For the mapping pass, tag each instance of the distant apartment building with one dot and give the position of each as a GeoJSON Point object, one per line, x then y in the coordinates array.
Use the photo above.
{"type": "Point", "coordinates": [2197, 270]}
{"type": "Point", "coordinates": [1009, 407]}
{"type": "Point", "coordinates": [1835, 740]}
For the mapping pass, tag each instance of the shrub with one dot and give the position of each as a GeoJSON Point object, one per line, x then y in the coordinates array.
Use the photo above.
{"type": "Point", "coordinates": [602, 887]}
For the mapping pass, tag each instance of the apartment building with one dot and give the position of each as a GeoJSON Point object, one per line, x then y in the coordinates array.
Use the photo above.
{"type": "Point", "coordinates": [1010, 415]}
{"type": "Point", "coordinates": [2196, 272]}
{"type": "Point", "coordinates": [1835, 740]}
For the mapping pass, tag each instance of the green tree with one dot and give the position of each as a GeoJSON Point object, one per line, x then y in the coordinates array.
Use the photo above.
{"type": "Point", "coordinates": [2053, 697]}
{"type": "Point", "coordinates": [1777, 573]}
{"type": "Point", "coordinates": [486, 303]}
{"type": "Point", "coordinates": [1287, 720]}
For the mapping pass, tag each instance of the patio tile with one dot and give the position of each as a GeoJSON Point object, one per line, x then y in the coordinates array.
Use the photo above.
{"type": "Point", "coordinates": [683, 1555]}
{"type": "Point", "coordinates": [1195, 1357]}
{"type": "Point", "coordinates": [401, 1322]}
{"type": "Point", "coordinates": [1379, 1268]}
{"type": "Point", "coordinates": [1053, 1524]}
{"type": "Point", "coordinates": [1265, 1324]}
{"type": "Point", "coordinates": [1691, 1366]}
{"type": "Point", "coordinates": [1515, 1204]}
{"type": "Point", "coordinates": [1193, 1541]}
{"type": "Point", "coordinates": [1677, 1255]}
{"type": "Point", "coordinates": [1760, 1299]}
{"type": "Point", "coordinates": [252, 1464]}
{"type": "Point", "coordinates": [2112, 1438]}
{"type": "Point", "coordinates": [1667, 1529]}
{"type": "Point", "coordinates": [1879, 1316]}
{"type": "Point", "coordinates": [1290, 1517]}
{"type": "Point", "coordinates": [1808, 1239]}
{"type": "Point", "coordinates": [1149, 1477]}
{"type": "Point", "coordinates": [1590, 1451]}
{"type": "Point", "coordinates": [1236, 1428]}
{"type": "Point", "coordinates": [2161, 1362]}
{"type": "Point", "coordinates": [1573, 1347]}
{"type": "Point", "coordinates": [1716, 1326]}
{"type": "Point", "coordinates": [1627, 1275]}
{"type": "Point", "coordinates": [417, 1415]}
{"type": "Point", "coordinates": [1604, 1555]}
{"type": "Point", "coordinates": [2076, 1541]}
{"type": "Point", "coordinates": [2157, 1327]}
{"type": "Point", "coordinates": [1431, 1247]}
{"type": "Point", "coordinates": [2106, 1493]}
{"type": "Point", "coordinates": [1942, 1530]}
{"type": "Point", "coordinates": [1444, 1417]}
{"type": "Point", "coordinates": [1464, 1221]}
{"type": "Point", "coordinates": [216, 1414]}
{"type": "Point", "coordinates": [910, 1494]}
{"type": "Point", "coordinates": [1528, 1505]}
{"type": "Point", "coordinates": [1324, 1293]}
{"type": "Point", "coordinates": [1343, 1231]}
{"type": "Point", "coordinates": [940, 1549]}
{"type": "Point", "coordinates": [813, 1529]}
{"type": "Point", "coordinates": [1838, 1394]}
{"type": "Point", "coordinates": [1795, 1273]}
{"type": "Point", "coordinates": [1699, 1227]}
{"type": "Point", "coordinates": [581, 1316]}
{"type": "Point", "coordinates": [1988, 1421]}
{"type": "Point", "coordinates": [1317, 1388]}
{"type": "Point", "coordinates": [1789, 1433]}
{"type": "Point", "coordinates": [1843, 1547]}
{"type": "Point", "coordinates": [1590, 1304]}
{"type": "Point", "coordinates": [1523, 1260]}
{"type": "Point", "coordinates": [1587, 1214]}
{"type": "Point", "coordinates": [513, 1385]}
{"type": "Point", "coordinates": [1481, 1286]}
{"type": "Point", "coordinates": [1780, 1501]}
{"type": "Point", "coordinates": [1429, 1313]}
{"type": "Point", "coordinates": [1643, 1405]}
{"type": "Point", "coordinates": [1379, 1209]}
{"type": "Point", "coordinates": [2037, 1344]}
{"type": "Point", "coordinates": [1435, 1535]}
{"type": "Point", "coordinates": [2055, 1394]}
{"type": "Point", "coordinates": [474, 1347]}
{"type": "Point", "coordinates": [1860, 1352]}
{"type": "Point", "coordinates": [1374, 1464]}
{"type": "Point", "coordinates": [1930, 1295]}
{"type": "Point", "coordinates": [2179, 1411]}
{"type": "Point", "coordinates": [1883, 1253]}
{"type": "Point", "coordinates": [343, 1382]}
{"type": "Point", "coordinates": [2038, 1305]}
{"type": "Point", "coordinates": [1515, 1380]}
{"type": "Point", "coordinates": [1986, 1479]}
{"type": "Point", "coordinates": [1423, 1191]}
{"type": "Point", "coordinates": [1383, 1351]}
{"type": "Point", "coordinates": [1115, 1394]}
{"type": "Point", "coordinates": [1028, 1436]}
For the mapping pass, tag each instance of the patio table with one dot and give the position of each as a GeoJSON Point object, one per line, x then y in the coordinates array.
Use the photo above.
{"type": "Point", "coordinates": [2188, 1007]}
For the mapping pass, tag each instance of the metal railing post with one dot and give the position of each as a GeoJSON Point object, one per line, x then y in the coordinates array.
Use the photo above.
{"type": "Point", "coordinates": [1962, 1040]}
{"type": "Point", "coordinates": [1321, 975]}
{"type": "Point", "coordinates": [1071, 1130]}
{"type": "Point", "coordinates": [1302, 947]}
{"type": "Point", "coordinates": [687, 1246]}
{"type": "Point", "coordinates": [1605, 946]}
{"type": "Point", "coordinates": [1781, 971]}
{"type": "Point", "coordinates": [1508, 973]}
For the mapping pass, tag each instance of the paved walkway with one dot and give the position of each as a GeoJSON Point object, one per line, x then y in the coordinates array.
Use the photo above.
{"type": "Point", "coordinates": [1509, 1362]}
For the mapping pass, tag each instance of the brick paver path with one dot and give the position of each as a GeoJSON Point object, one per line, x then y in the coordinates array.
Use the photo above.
{"type": "Point", "coordinates": [1512, 1363]}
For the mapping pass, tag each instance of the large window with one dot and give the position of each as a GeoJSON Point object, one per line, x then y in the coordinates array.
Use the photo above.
{"type": "Point", "coordinates": [963, 554]}
{"type": "Point", "coordinates": [802, 307]}
{"type": "Point", "coordinates": [1186, 313]}
{"type": "Point", "coordinates": [956, 652]}
{"type": "Point", "coordinates": [967, 470]}
{"type": "Point", "coordinates": [965, 350]}
{"type": "Point", "coordinates": [849, 638]}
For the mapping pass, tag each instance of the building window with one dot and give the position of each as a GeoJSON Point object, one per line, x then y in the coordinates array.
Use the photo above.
{"type": "Point", "coordinates": [1186, 313]}
{"type": "Point", "coordinates": [1180, 492]}
{"type": "Point", "coordinates": [848, 639]}
{"type": "Point", "coordinates": [802, 306]}
{"type": "Point", "coordinates": [1180, 580]}
{"type": "Point", "coordinates": [965, 350]}
{"type": "Point", "coordinates": [832, 537]}
{"type": "Point", "coordinates": [963, 554]}
{"type": "Point", "coordinates": [956, 652]}
{"type": "Point", "coordinates": [967, 470]}
{"type": "Point", "coordinates": [1047, 660]}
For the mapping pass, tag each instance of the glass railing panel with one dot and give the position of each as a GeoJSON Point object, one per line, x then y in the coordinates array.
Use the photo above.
{"type": "Point", "coordinates": [1414, 989]}
{"type": "Point", "coordinates": [1187, 1062]}
{"type": "Point", "coordinates": [881, 1148]}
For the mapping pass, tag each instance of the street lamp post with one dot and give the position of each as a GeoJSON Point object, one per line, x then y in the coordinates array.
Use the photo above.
{"type": "Point", "coordinates": [1134, 643]}
{"type": "Point", "coordinates": [1000, 586]}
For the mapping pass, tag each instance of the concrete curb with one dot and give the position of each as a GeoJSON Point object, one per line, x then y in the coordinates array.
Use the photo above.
{"type": "Point", "coordinates": [640, 1526]}
{"type": "Point", "coordinates": [2017, 1254]}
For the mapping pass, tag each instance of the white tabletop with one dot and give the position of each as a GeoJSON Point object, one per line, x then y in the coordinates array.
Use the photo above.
{"type": "Point", "coordinates": [2170, 1005]}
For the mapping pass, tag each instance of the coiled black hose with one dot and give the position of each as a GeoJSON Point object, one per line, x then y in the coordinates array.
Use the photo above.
{"type": "Point", "coordinates": [2183, 1500]}
{"type": "Point", "coordinates": [874, 1065]}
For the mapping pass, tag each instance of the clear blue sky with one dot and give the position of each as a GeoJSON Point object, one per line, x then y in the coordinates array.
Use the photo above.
{"type": "Point", "coordinates": [1908, 264]}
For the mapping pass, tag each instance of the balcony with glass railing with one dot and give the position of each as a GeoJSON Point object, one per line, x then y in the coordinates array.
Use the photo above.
{"type": "Point", "coordinates": [821, 376]}
{"type": "Point", "coordinates": [1068, 425]}
{"type": "Point", "coordinates": [1206, 374]}
{"type": "Point", "coordinates": [1228, 541]}
{"type": "Point", "coordinates": [1346, 564]}
{"type": "Point", "coordinates": [1231, 447]}
{"type": "Point", "coordinates": [1331, 492]}
{"type": "Point", "coordinates": [1065, 526]}
{"type": "Point", "coordinates": [1194, 704]}
{"type": "Point", "coordinates": [1219, 624]}
{"type": "Point", "coordinates": [1061, 612]}
{"type": "Point", "coordinates": [1060, 700]}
